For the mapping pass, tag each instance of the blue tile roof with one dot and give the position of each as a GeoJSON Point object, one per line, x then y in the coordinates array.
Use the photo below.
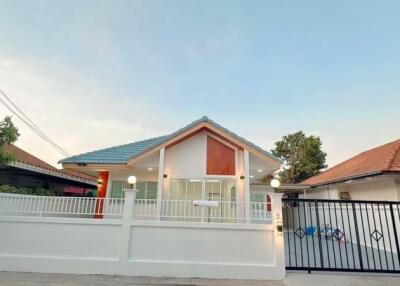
{"type": "Point", "coordinates": [122, 153]}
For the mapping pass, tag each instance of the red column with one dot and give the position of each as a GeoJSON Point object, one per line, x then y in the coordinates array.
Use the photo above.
{"type": "Point", "coordinates": [268, 201]}
{"type": "Point", "coordinates": [101, 192]}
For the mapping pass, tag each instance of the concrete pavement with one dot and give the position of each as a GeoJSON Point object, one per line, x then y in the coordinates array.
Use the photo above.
{"type": "Point", "coordinates": [292, 279]}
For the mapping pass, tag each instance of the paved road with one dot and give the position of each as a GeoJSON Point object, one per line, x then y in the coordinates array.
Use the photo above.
{"type": "Point", "coordinates": [292, 279]}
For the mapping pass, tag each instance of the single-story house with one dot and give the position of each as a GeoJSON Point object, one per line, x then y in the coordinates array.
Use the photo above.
{"type": "Point", "coordinates": [31, 172]}
{"type": "Point", "coordinates": [201, 161]}
{"type": "Point", "coordinates": [371, 175]}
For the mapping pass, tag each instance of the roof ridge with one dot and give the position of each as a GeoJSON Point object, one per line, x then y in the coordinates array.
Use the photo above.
{"type": "Point", "coordinates": [397, 151]}
{"type": "Point", "coordinates": [362, 157]}
{"type": "Point", "coordinates": [361, 153]}
{"type": "Point", "coordinates": [157, 141]}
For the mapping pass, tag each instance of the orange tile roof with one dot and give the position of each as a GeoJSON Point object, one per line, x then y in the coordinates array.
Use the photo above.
{"type": "Point", "coordinates": [26, 158]}
{"type": "Point", "coordinates": [385, 158]}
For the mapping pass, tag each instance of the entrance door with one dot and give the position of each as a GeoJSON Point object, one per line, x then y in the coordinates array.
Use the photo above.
{"type": "Point", "coordinates": [213, 193]}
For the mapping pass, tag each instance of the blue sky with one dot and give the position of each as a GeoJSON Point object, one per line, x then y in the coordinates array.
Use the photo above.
{"type": "Point", "coordinates": [99, 73]}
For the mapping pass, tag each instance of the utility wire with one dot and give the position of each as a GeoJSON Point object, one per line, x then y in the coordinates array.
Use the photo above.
{"type": "Point", "coordinates": [34, 127]}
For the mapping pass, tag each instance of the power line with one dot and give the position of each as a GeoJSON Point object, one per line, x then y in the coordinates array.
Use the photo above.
{"type": "Point", "coordinates": [37, 131]}
{"type": "Point", "coordinates": [32, 125]}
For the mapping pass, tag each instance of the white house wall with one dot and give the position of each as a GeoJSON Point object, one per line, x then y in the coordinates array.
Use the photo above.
{"type": "Point", "coordinates": [382, 189]}
{"type": "Point", "coordinates": [188, 158]}
{"type": "Point", "coordinates": [325, 193]}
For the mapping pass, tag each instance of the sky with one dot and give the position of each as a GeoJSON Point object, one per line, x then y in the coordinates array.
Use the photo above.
{"type": "Point", "coordinates": [94, 74]}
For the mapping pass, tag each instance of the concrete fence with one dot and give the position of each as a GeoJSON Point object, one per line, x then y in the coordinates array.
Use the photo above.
{"type": "Point", "coordinates": [128, 246]}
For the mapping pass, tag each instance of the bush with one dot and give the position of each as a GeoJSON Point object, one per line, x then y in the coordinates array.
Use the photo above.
{"type": "Point", "coordinates": [26, 191]}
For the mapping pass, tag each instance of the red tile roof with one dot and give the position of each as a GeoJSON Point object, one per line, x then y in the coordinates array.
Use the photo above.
{"type": "Point", "coordinates": [385, 158]}
{"type": "Point", "coordinates": [22, 156]}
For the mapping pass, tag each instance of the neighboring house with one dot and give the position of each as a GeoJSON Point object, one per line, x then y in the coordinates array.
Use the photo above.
{"type": "Point", "coordinates": [371, 175]}
{"type": "Point", "coordinates": [29, 171]}
{"type": "Point", "coordinates": [201, 161]}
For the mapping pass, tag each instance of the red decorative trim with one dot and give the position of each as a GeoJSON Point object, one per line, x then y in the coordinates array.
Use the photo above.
{"type": "Point", "coordinates": [220, 158]}
{"type": "Point", "coordinates": [101, 192]}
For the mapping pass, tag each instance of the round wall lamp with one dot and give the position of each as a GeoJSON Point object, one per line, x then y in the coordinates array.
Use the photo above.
{"type": "Point", "coordinates": [275, 183]}
{"type": "Point", "coordinates": [131, 181]}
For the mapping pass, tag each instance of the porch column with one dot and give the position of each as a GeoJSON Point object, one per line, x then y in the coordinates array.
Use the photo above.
{"type": "Point", "coordinates": [160, 184]}
{"type": "Point", "coordinates": [246, 169]}
{"type": "Point", "coordinates": [277, 219]}
{"type": "Point", "coordinates": [101, 193]}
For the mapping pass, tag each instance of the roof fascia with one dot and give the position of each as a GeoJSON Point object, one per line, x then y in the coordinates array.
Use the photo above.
{"type": "Point", "coordinates": [203, 125]}
{"type": "Point", "coordinates": [94, 167]}
{"type": "Point", "coordinates": [44, 171]}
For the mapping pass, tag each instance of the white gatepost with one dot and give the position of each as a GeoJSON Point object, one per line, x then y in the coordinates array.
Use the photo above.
{"type": "Point", "coordinates": [127, 217]}
{"type": "Point", "coordinates": [160, 184]}
{"type": "Point", "coordinates": [246, 162]}
{"type": "Point", "coordinates": [277, 219]}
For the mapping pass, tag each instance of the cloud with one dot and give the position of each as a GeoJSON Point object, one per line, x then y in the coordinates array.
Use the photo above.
{"type": "Point", "coordinates": [77, 112]}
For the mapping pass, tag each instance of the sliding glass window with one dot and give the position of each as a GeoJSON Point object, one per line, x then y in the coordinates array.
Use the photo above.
{"type": "Point", "coordinates": [214, 190]}
{"type": "Point", "coordinates": [146, 190]}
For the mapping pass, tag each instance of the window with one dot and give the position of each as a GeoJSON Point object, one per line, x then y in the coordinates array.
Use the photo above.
{"type": "Point", "coordinates": [192, 189]}
{"type": "Point", "coordinates": [182, 189]}
{"type": "Point", "coordinates": [345, 196]}
{"type": "Point", "coordinates": [116, 189]}
{"type": "Point", "coordinates": [146, 190]}
{"type": "Point", "coordinates": [261, 198]}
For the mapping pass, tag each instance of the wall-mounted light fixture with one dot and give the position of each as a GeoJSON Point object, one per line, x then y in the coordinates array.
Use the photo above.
{"type": "Point", "coordinates": [279, 227]}
{"type": "Point", "coordinates": [131, 181]}
{"type": "Point", "coordinates": [99, 182]}
{"type": "Point", "coordinates": [275, 183]}
{"type": "Point", "coordinates": [279, 224]}
{"type": "Point", "coordinates": [165, 176]}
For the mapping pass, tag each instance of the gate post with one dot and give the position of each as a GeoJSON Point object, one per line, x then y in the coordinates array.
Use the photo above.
{"type": "Point", "coordinates": [127, 217]}
{"type": "Point", "coordinates": [396, 235]}
{"type": "Point", "coordinates": [276, 203]}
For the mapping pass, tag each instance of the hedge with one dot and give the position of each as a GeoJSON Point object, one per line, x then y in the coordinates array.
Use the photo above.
{"type": "Point", "coordinates": [26, 191]}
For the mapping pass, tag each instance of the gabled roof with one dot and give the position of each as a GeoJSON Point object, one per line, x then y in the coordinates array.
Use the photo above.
{"type": "Point", "coordinates": [385, 158]}
{"type": "Point", "coordinates": [23, 158]}
{"type": "Point", "coordinates": [123, 153]}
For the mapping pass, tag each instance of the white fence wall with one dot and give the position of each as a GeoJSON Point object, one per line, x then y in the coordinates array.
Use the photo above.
{"type": "Point", "coordinates": [142, 248]}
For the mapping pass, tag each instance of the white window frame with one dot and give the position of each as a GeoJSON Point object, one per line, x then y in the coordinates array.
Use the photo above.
{"type": "Point", "coordinates": [203, 185]}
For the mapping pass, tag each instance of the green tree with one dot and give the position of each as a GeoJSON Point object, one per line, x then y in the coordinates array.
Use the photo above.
{"type": "Point", "coordinates": [8, 135]}
{"type": "Point", "coordinates": [304, 155]}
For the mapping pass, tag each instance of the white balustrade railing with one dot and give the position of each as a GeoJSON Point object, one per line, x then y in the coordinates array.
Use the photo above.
{"type": "Point", "coordinates": [173, 210]}
{"type": "Point", "coordinates": [12, 204]}
{"type": "Point", "coordinates": [186, 210]}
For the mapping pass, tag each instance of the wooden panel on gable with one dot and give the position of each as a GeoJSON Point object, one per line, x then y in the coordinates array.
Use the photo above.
{"type": "Point", "coordinates": [220, 158]}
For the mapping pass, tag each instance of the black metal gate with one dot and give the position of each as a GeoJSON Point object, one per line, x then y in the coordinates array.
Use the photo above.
{"type": "Point", "coordinates": [338, 235]}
